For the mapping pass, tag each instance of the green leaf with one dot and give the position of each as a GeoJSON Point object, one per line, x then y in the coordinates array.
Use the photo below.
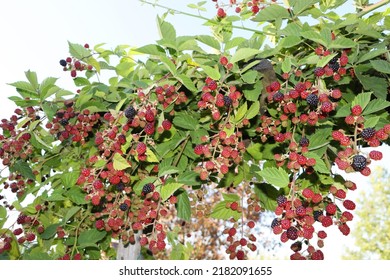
{"type": "Point", "coordinates": [23, 168]}
{"type": "Point", "coordinates": [234, 42]}
{"type": "Point", "coordinates": [221, 212]}
{"type": "Point", "coordinates": [124, 68]}
{"type": "Point", "coordinates": [183, 206]}
{"type": "Point", "coordinates": [381, 66]}
{"type": "Point", "coordinates": [151, 156]}
{"type": "Point", "coordinates": [32, 78]}
{"type": "Point", "coordinates": [290, 41]}
{"type": "Point", "coordinates": [69, 179]}
{"type": "Point", "coordinates": [371, 54]}
{"type": "Point", "coordinates": [168, 189]}
{"type": "Point", "coordinates": [371, 122]}
{"type": "Point", "coordinates": [375, 105]}
{"type": "Point", "coordinates": [315, 37]}
{"type": "Point", "coordinates": [250, 77]}
{"type": "Point", "coordinates": [50, 231]}
{"type": "Point", "coordinates": [120, 163]}
{"type": "Point", "coordinates": [272, 13]}
{"type": "Point", "coordinates": [209, 41]}
{"type": "Point", "coordinates": [319, 138]}
{"type": "Point", "coordinates": [91, 236]}
{"type": "Point", "coordinates": [300, 6]}
{"type": "Point", "coordinates": [213, 73]}
{"type": "Point", "coordinates": [169, 64]}
{"type": "Point", "coordinates": [275, 176]}
{"type": "Point", "coordinates": [244, 53]}
{"type": "Point", "coordinates": [151, 49]}
{"type": "Point", "coordinates": [267, 195]}
{"type": "Point", "coordinates": [167, 170]}
{"type": "Point", "coordinates": [253, 110]}
{"type": "Point", "coordinates": [76, 195]}
{"type": "Point", "coordinates": [375, 84]}
{"type": "Point", "coordinates": [185, 121]}
{"type": "Point", "coordinates": [241, 112]}
{"type": "Point", "coordinates": [343, 111]}
{"type": "Point", "coordinates": [253, 94]}
{"type": "Point", "coordinates": [78, 51]}
{"type": "Point", "coordinates": [231, 197]}
{"type": "Point", "coordinates": [24, 87]}
{"type": "Point", "coordinates": [254, 151]}
{"type": "Point", "coordinates": [320, 165]}
{"type": "Point", "coordinates": [362, 99]}
{"type": "Point", "coordinates": [167, 31]}
{"type": "Point", "coordinates": [286, 65]}
{"type": "Point", "coordinates": [71, 212]}
{"type": "Point", "coordinates": [324, 60]}
{"type": "Point", "coordinates": [189, 178]}
{"type": "Point", "coordinates": [187, 82]}
{"type": "Point", "coordinates": [342, 43]}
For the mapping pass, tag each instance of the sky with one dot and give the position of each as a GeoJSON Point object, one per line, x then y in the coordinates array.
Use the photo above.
{"type": "Point", "coordinates": [34, 35]}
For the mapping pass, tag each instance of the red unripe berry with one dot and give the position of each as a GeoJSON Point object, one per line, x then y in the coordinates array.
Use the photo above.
{"type": "Point", "coordinates": [232, 231]}
{"type": "Point", "coordinates": [356, 110]}
{"type": "Point", "coordinates": [234, 206]}
{"type": "Point", "coordinates": [251, 224]}
{"type": "Point", "coordinates": [223, 60]}
{"type": "Point", "coordinates": [349, 204]}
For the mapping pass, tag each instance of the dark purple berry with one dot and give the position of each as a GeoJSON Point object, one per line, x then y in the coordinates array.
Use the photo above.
{"type": "Point", "coordinates": [334, 66]}
{"type": "Point", "coordinates": [123, 207]}
{"type": "Point", "coordinates": [359, 162]}
{"type": "Point", "coordinates": [278, 96]}
{"type": "Point", "coordinates": [120, 187]}
{"type": "Point", "coordinates": [275, 223]}
{"type": "Point", "coordinates": [281, 200]}
{"type": "Point", "coordinates": [63, 62]}
{"type": "Point", "coordinates": [368, 133]}
{"type": "Point", "coordinates": [130, 113]}
{"type": "Point", "coordinates": [147, 188]}
{"type": "Point", "coordinates": [312, 100]}
{"type": "Point", "coordinates": [304, 142]}
{"type": "Point", "coordinates": [317, 214]}
{"type": "Point", "coordinates": [292, 233]}
{"type": "Point", "coordinates": [227, 101]}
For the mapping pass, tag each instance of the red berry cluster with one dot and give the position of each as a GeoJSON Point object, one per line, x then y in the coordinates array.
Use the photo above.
{"type": "Point", "coordinates": [168, 95]}
{"type": "Point", "coordinates": [75, 65]}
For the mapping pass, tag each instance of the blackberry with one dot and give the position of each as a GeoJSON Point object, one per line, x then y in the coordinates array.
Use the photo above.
{"type": "Point", "coordinates": [147, 188]}
{"type": "Point", "coordinates": [227, 101]}
{"type": "Point", "coordinates": [296, 246]}
{"type": "Point", "coordinates": [63, 62]}
{"type": "Point", "coordinates": [359, 162]}
{"type": "Point", "coordinates": [317, 214]}
{"type": "Point", "coordinates": [334, 66]}
{"type": "Point", "coordinates": [334, 60]}
{"type": "Point", "coordinates": [120, 187]}
{"type": "Point", "coordinates": [278, 96]}
{"type": "Point", "coordinates": [368, 133]}
{"type": "Point", "coordinates": [312, 100]}
{"type": "Point", "coordinates": [130, 112]}
{"type": "Point", "coordinates": [123, 207]}
{"type": "Point", "coordinates": [63, 122]}
{"type": "Point", "coordinates": [319, 71]}
{"type": "Point", "coordinates": [304, 142]}
{"type": "Point", "coordinates": [275, 223]}
{"type": "Point", "coordinates": [281, 200]}
{"type": "Point", "coordinates": [292, 233]}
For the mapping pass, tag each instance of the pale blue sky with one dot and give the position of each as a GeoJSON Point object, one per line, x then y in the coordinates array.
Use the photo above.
{"type": "Point", "coordinates": [34, 35]}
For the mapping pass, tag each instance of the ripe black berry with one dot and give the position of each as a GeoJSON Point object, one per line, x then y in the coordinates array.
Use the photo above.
{"type": "Point", "coordinates": [296, 246]}
{"type": "Point", "coordinates": [278, 96]}
{"type": "Point", "coordinates": [312, 100]}
{"type": "Point", "coordinates": [292, 233]}
{"type": "Point", "coordinates": [147, 188]}
{"type": "Point", "coordinates": [281, 200]}
{"type": "Point", "coordinates": [63, 122]}
{"type": "Point", "coordinates": [130, 113]}
{"type": "Point", "coordinates": [120, 187]}
{"type": "Point", "coordinates": [334, 60]}
{"type": "Point", "coordinates": [317, 214]}
{"type": "Point", "coordinates": [359, 162]}
{"type": "Point", "coordinates": [227, 101]}
{"type": "Point", "coordinates": [63, 62]}
{"type": "Point", "coordinates": [334, 66]}
{"type": "Point", "coordinates": [123, 207]}
{"type": "Point", "coordinates": [304, 142]}
{"type": "Point", "coordinates": [367, 133]}
{"type": "Point", "coordinates": [275, 223]}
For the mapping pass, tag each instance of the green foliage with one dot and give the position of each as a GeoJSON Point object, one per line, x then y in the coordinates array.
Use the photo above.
{"type": "Point", "coordinates": [180, 120]}
{"type": "Point", "coordinates": [371, 240]}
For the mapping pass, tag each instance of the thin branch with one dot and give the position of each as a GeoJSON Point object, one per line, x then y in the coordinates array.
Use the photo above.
{"type": "Point", "coordinates": [372, 7]}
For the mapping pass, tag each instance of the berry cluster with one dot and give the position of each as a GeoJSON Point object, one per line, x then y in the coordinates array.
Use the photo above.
{"type": "Point", "coordinates": [75, 65]}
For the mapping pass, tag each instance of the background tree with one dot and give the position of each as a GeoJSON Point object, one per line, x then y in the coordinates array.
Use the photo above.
{"type": "Point", "coordinates": [372, 236]}
{"type": "Point", "coordinates": [194, 128]}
